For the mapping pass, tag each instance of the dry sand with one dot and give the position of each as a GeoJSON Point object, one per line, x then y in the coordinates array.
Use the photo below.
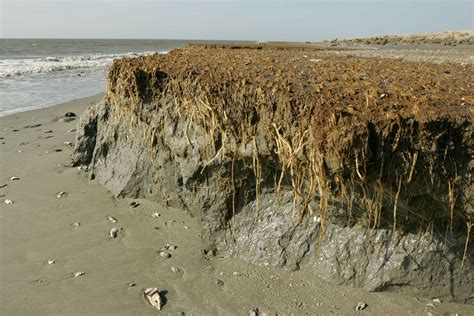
{"type": "Point", "coordinates": [38, 227]}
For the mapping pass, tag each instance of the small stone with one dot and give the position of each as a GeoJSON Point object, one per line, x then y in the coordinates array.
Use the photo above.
{"type": "Point", "coordinates": [78, 274]}
{"type": "Point", "coordinates": [219, 283]}
{"type": "Point", "coordinates": [70, 114]}
{"type": "Point", "coordinates": [114, 232]}
{"type": "Point", "coordinates": [9, 202]}
{"type": "Point", "coordinates": [235, 273]}
{"type": "Point", "coordinates": [51, 261]}
{"type": "Point", "coordinates": [76, 224]}
{"type": "Point", "coordinates": [437, 301]}
{"type": "Point", "coordinates": [360, 306]}
{"type": "Point", "coordinates": [383, 95]}
{"type": "Point", "coordinates": [164, 254]}
{"type": "Point", "coordinates": [68, 143]}
{"type": "Point", "coordinates": [61, 194]}
{"type": "Point", "coordinates": [155, 215]}
{"type": "Point", "coordinates": [14, 178]}
{"type": "Point", "coordinates": [186, 227]}
{"type": "Point", "coordinates": [41, 281]}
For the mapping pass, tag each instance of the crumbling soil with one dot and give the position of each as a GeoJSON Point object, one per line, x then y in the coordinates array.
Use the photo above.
{"type": "Point", "coordinates": [381, 145]}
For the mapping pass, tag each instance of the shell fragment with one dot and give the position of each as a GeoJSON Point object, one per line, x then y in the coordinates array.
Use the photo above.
{"type": "Point", "coordinates": [153, 297]}
{"type": "Point", "coordinates": [114, 232]}
{"type": "Point", "coordinates": [111, 219]}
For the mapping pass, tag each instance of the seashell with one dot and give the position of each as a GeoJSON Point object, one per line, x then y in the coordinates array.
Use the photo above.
{"type": "Point", "coordinates": [14, 178]}
{"type": "Point", "coordinates": [176, 269]}
{"type": "Point", "coordinates": [186, 227]}
{"type": "Point", "coordinates": [76, 224]}
{"type": "Point", "coordinates": [153, 297]}
{"type": "Point", "coordinates": [114, 232]}
{"type": "Point", "coordinates": [9, 202]}
{"type": "Point", "coordinates": [51, 261]}
{"type": "Point", "coordinates": [155, 215]}
{"type": "Point", "coordinates": [68, 143]}
{"type": "Point", "coordinates": [253, 312]}
{"type": "Point", "coordinates": [164, 254]}
{"type": "Point", "coordinates": [437, 301]}
{"type": "Point", "coordinates": [133, 204]}
{"type": "Point", "coordinates": [78, 274]}
{"type": "Point", "coordinates": [360, 306]}
{"type": "Point", "coordinates": [111, 219]}
{"type": "Point", "coordinates": [61, 194]}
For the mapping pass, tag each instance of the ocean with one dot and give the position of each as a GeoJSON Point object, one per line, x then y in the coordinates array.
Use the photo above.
{"type": "Point", "coordinates": [37, 73]}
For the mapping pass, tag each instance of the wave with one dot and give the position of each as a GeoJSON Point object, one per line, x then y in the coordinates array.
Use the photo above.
{"type": "Point", "coordinates": [31, 66]}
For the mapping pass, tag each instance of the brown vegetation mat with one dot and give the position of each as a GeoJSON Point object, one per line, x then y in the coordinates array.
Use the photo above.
{"type": "Point", "coordinates": [390, 140]}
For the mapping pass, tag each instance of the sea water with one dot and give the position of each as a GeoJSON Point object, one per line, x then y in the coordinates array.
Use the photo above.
{"type": "Point", "coordinates": [37, 73]}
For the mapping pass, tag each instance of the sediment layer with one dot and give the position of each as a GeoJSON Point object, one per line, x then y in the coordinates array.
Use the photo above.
{"type": "Point", "coordinates": [300, 161]}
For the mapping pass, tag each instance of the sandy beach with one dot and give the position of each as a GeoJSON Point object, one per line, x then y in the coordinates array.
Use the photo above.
{"type": "Point", "coordinates": [45, 240]}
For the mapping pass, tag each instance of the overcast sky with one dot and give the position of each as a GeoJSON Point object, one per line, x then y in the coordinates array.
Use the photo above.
{"type": "Point", "coordinates": [297, 20]}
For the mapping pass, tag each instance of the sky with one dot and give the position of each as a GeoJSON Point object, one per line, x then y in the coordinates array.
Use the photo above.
{"type": "Point", "coordinates": [289, 20]}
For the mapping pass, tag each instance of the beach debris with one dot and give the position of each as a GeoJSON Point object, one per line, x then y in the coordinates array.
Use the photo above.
{"type": "Point", "coordinates": [153, 297]}
{"type": "Point", "coordinates": [78, 274]}
{"type": "Point", "coordinates": [164, 254]}
{"type": "Point", "coordinates": [51, 261]}
{"type": "Point", "coordinates": [361, 306]}
{"type": "Point", "coordinates": [253, 312]}
{"type": "Point", "coordinates": [61, 194]}
{"type": "Point", "coordinates": [14, 178]}
{"type": "Point", "coordinates": [70, 114]}
{"type": "Point", "coordinates": [169, 247]}
{"type": "Point", "coordinates": [383, 95]}
{"type": "Point", "coordinates": [9, 202]}
{"type": "Point", "coordinates": [75, 225]}
{"type": "Point", "coordinates": [219, 283]}
{"type": "Point", "coordinates": [176, 269]}
{"type": "Point", "coordinates": [437, 301]}
{"type": "Point", "coordinates": [155, 215]}
{"type": "Point", "coordinates": [185, 227]}
{"type": "Point", "coordinates": [111, 219]}
{"type": "Point", "coordinates": [3, 185]}
{"type": "Point", "coordinates": [72, 130]}
{"type": "Point", "coordinates": [68, 143]}
{"type": "Point", "coordinates": [133, 204]}
{"type": "Point", "coordinates": [114, 232]}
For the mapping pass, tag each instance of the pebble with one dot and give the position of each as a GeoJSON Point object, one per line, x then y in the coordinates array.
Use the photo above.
{"type": "Point", "coordinates": [111, 219]}
{"type": "Point", "coordinates": [9, 202]}
{"type": "Point", "coordinates": [61, 194]}
{"type": "Point", "coordinates": [186, 227]}
{"type": "Point", "coordinates": [360, 306]}
{"type": "Point", "coordinates": [51, 261]}
{"type": "Point", "coordinates": [76, 224]}
{"type": "Point", "coordinates": [78, 274]}
{"type": "Point", "coordinates": [155, 215]}
{"type": "Point", "coordinates": [164, 254]}
{"type": "Point", "coordinates": [114, 232]}
{"type": "Point", "coordinates": [14, 178]}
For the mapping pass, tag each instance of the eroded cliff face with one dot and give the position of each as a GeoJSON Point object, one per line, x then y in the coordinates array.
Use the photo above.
{"type": "Point", "coordinates": [358, 169]}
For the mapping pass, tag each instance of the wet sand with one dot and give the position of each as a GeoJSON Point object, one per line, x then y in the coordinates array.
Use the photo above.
{"type": "Point", "coordinates": [38, 227]}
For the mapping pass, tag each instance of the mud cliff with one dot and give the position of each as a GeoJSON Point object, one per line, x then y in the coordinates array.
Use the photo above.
{"type": "Point", "coordinates": [358, 169]}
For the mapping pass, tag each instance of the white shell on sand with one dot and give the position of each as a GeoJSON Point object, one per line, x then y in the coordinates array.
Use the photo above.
{"type": "Point", "coordinates": [61, 194]}
{"type": "Point", "coordinates": [76, 224]}
{"type": "Point", "coordinates": [9, 202]}
{"type": "Point", "coordinates": [176, 269]}
{"type": "Point", "coordinates": [164, 254]}
{"type": "Point", "coordinates": [51, 261]}
{"type": "Point", "coordinates": [78, 274]}
{"type": "Point", "coordinates": [114, 232]}
{"type": "Point", "coordinates": [155, 215]}
{"type": "Point", "coordinates": [361, 306]}
{"type": "Point", "coordinates": [153, 297]}
{"type": "Point", "coordinates": [111, 219]}
{"type": "Point", "coordinates": [68, 143]}
{"type": "Point", "coordinates": [14, 178]}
